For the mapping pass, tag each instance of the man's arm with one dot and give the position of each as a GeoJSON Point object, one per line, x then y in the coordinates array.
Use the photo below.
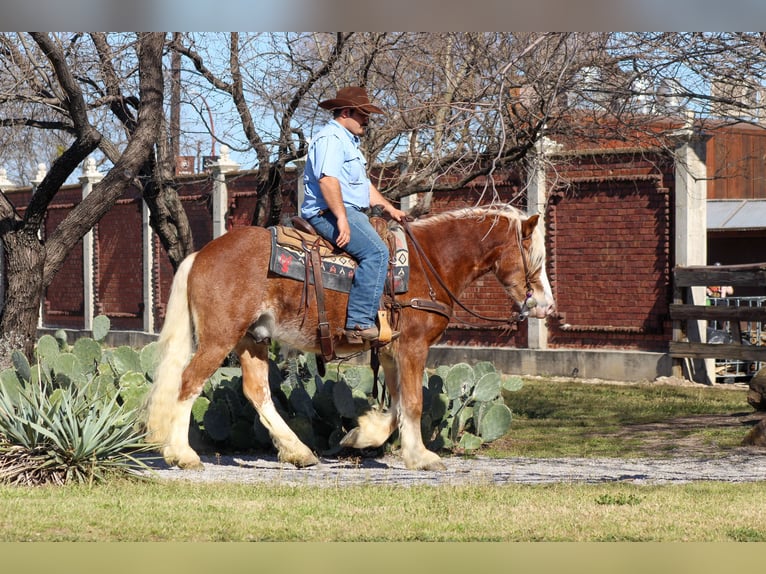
{"type": "Point", "coordinates": [376, 198]}
{"type": "Point", "coordinates": [330, 188]}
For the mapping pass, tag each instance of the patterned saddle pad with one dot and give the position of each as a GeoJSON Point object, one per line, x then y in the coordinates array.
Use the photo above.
{"type": "Point", "coordinates": [288, 259]}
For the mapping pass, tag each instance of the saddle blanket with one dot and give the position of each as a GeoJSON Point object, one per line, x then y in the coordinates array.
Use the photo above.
{"type": "Point", "coordinates": [289, 260]}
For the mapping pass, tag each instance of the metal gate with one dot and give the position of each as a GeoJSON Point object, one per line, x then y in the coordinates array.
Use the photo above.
{"type": "Point", "coordinates": [750, 333]}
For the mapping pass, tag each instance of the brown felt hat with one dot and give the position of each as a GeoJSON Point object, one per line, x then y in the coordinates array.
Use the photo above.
{"type": "Point", "coordinates": [351, 97]}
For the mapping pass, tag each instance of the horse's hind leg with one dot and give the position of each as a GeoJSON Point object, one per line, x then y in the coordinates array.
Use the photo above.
{"type": "Point", "coordinates": [254, 359]}
{"type": "Point", "coordinates": [204, 363]}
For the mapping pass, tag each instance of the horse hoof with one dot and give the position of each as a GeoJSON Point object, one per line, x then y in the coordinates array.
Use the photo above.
{"type": "Point", "coordinates": [430, 461]}
{"type": "Point", "coordinates": [438, 465]}
{"type": "Point", "coordinates": [349, 441]}
{"type": "Point", "coordinates": [191, 465]}
{"type": "Point", "coordinates": [300, 461]}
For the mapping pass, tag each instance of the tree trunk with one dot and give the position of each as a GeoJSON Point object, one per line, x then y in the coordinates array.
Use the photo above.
{"type": "Point", "coordinates": [24, 256]}
{"type": "Point", "coordinates": [268, 207]}
{"type": "Point", "coordinates": [31, 264]}
{"type": "Point", "coordinates": [169, 221]}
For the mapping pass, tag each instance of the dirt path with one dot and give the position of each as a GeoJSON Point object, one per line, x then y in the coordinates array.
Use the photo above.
{"type": "Point", "coordinates": [744, 465]}
{"type": "Point", "coordinates": [701, 461]}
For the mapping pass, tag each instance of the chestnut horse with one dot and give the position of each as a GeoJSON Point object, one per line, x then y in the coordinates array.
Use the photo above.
{"type": "Point", "coordinates": [224, 293]}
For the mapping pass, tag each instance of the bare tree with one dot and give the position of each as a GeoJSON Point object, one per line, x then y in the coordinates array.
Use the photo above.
{"type": "Point", "coordinates": [459, 105]}
{"type": "Point", "coordinates": [54, 77]}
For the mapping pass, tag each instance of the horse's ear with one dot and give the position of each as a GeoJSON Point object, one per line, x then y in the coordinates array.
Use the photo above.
{"type": "Point", "coordinates": [529, 224]}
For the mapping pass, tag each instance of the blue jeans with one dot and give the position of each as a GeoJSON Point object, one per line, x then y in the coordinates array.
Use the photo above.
{"type": "Point", "coordinates": [371, 255]}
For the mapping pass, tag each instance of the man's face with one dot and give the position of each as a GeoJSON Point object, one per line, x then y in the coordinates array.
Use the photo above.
{"type": "Point", "coordinates": [355, 121]}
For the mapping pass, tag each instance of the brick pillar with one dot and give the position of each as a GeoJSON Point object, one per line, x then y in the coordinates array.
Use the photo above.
{"type": "Point", "coordinates": [42, 171]}
{"type": "Point", "coordinates": [690, 239]}
{"type": "Point", "coordinates": [90, 177]}
{"type": "Point", "coordinates": [147, 268]}
{"type": "Point", "coordinates": [537, 197]}
{"type": "Point", "coordinates": [220, 192]}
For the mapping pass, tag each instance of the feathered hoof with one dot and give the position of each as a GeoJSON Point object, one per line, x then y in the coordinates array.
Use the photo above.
{"type": "Point", "coordinates": [373, 430]}
{"type": "Point", "coordinates": [191, 465]}
{"type": "Point", "coordinates": [426, 461]}
{"type": "Point", "coordinates": [186, 461]}
{"type": "Point", "coordinates": [352, 439]}
{"type": "Point", "coordinates": [300, 460]}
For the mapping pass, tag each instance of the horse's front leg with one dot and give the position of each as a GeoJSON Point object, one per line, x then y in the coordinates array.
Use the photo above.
{"type": "Point", "coordinates": [414, 452]}
{"type": "Point", "coordinates": [254, 359]}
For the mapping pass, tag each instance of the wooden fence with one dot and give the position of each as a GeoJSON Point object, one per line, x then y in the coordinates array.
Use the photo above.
{"type": "Point", "coordinates": [683, 311]}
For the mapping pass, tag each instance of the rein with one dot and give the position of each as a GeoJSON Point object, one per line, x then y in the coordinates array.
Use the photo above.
{"type": "Point", "coordinates": [424, 305]}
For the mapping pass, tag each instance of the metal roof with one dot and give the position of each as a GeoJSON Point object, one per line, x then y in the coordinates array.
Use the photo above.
{"type": "Point", "coordinates": [726, 214]}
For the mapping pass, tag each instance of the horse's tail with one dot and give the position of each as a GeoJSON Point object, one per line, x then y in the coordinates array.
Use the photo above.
{"type": "Point", "coordinates": [176, 344]}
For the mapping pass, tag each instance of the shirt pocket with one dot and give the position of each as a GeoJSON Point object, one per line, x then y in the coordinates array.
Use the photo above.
{"type": "Point", "coordinates": [354, 167]}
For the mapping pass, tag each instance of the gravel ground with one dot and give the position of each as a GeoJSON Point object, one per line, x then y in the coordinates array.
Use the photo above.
{"type": "Point", "coordinates": [747, 465]}
{"type": "Point", "coordinates": [743, 464]}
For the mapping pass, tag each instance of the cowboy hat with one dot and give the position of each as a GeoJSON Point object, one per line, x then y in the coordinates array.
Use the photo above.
{"type": "Point", "coordinates": [351, 97]}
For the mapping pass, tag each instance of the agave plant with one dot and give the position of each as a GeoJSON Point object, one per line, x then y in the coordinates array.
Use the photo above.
{"type": "Point", "coordinates": [61, 434]}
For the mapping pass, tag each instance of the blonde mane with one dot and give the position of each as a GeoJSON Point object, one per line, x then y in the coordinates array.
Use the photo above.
{"type": "Point", "coordinates": [512, 215]}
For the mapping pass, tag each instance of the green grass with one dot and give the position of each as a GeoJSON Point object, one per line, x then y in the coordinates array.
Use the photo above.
{"type": "Point", "coordinates": [552, 418]}
{"type": "Point", "coordinates": [124, 511]}
{"type": "Point", "coordinates": [567, 418]}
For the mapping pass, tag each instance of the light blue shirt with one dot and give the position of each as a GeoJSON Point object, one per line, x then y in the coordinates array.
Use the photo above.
{"type": "Point", "coordinates": [334, 151]}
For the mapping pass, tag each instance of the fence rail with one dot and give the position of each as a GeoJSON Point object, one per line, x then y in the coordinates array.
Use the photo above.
{"type": "Point", "coordinates": [743, 318]}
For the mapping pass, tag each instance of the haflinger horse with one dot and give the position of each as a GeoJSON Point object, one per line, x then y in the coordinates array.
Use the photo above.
{"type": "Point", "coordinates": [224, 292]}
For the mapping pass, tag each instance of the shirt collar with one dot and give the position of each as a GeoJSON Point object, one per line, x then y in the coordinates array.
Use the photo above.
{"type": "Point", "coordinates": [339, 127]}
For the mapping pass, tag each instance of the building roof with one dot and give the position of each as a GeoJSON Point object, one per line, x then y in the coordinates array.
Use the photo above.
{"type": "Point", "coordinates": [729, 214]}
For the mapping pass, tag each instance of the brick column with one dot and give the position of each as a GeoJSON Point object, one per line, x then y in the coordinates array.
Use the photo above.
{"type": "Point", "coordinates": [537, 197]}
{"type": "Point", "coordinates": [147, 268]}
{"type": "Point", "coordinates": [42, 171]}
{"type": "Point", "coordinates": [220, 192]}
{"type": "Point", "coordinates": [690, 239]}
{"type": "Point", "coordinates": [90, 176]}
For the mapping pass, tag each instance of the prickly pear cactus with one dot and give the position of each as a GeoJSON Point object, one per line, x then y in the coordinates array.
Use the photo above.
{"type": "Point", "coordinates": [124, 359]}
{"type": "Point", "coordinates": [133, 389]}
{"type": "Point", "coordinates": [67, 370]}
{"type": "Point", "coordinates": [101, 326]}
{"type": "Point", "coordinates": [22, 366]}
{"type": "Point", "coordinates": [217, 421]}
{"type": "Point", "coordinates": [11, 384]}
{"type": "Point", "coordinates": [494, 422]}
{"type": "Point", "coordinates": [465, 406]}
{"type": "Point", "coordinates": [47, 349]}
{"type": "Point", "coordinates": [88, 352]}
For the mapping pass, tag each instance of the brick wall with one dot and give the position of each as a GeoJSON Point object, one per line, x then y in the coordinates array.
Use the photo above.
{"type": "Point", "coordinates": [608, 239]}
{"type": "Point", "coordinates": [64, 304]}
{"type": "Point", "coordinates": [119, 282]}
{"type": "Point", "coordinates": [609, 253]}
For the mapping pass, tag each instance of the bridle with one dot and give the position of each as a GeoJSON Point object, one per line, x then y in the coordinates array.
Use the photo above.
{"type": "Point", "coordinates": [436, 306]}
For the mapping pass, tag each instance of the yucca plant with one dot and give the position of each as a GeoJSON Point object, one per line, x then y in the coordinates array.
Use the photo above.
{"type": "Point", "coordinates": [58, 435]}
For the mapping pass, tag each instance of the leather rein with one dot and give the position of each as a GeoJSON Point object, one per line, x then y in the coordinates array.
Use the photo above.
{"type": "Point", "coordinates": [443, 309]}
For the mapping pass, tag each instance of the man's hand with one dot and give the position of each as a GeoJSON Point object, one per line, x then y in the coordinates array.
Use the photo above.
{"type": "Point", "coordinates": [396, 214]}
{"type": "Point", "coordinates": [330, 188]}
{"type": "Point", "coordinates": [376, 198]}
{"type": "Point", "coordinates": [344, 231]}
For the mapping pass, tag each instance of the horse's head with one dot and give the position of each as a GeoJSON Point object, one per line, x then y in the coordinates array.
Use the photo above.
{"type": "Point", "coordinates": [521, 269]}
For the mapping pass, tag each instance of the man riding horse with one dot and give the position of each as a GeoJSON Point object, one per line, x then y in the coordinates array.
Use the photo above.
{"type": "Point", "coordinates": [337, 191]}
